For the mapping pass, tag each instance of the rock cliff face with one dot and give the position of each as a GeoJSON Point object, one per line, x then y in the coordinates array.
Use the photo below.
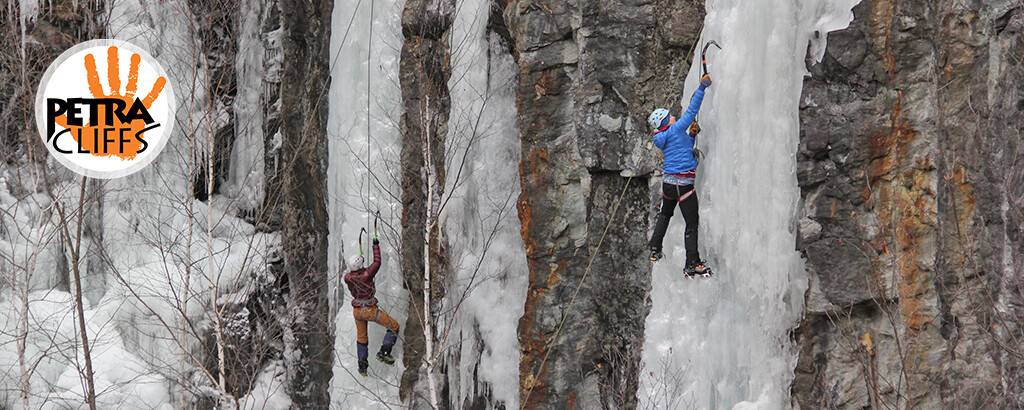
{"type": "Point", "coordinates": [910, 163]}
{"type": "Point", "coordinates": [424, 72]}
{"type": "Point", "coordinates": [912, 176]}
{"type": "Point", "coordinates": [303, 190]}
{"type": "Point", "coordinates": [30, 45]}
{"type": "Point", "coordinates": [590, 72]}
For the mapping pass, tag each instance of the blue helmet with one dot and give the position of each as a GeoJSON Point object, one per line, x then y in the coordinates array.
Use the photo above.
{"type": "Point", "coordinates": [658, 118]}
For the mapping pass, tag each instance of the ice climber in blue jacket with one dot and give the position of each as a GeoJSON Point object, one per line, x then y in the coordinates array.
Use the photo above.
{"type": "Point", "coordinates": [676, 138]}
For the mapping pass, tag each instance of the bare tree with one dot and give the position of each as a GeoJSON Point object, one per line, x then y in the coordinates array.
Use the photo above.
{"type": "Point", "coordinates": [74, 244]}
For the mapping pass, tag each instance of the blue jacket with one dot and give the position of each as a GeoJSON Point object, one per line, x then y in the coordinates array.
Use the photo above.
{"type": "Point", "coordinates": [675, 141]}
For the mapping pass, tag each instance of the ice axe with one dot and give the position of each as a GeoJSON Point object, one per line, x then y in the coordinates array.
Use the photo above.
{"type": "Point", "coordinates": [361, 232]}
{"type": "Point", "coordinates": [695, 127]}
{"type": "Point", "coordinates": [704, 56]}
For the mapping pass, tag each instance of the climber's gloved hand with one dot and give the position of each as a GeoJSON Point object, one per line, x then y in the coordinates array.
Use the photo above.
{"type": "Point", "coordinates": [705, 81]}
{"type": "Point", "coordinates": [375, 242]}
{"type": "Point", "coordinates": [694, 128]}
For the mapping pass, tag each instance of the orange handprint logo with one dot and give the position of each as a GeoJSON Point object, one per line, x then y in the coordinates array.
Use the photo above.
{"type": "Point", "coordinates": [111, 123]}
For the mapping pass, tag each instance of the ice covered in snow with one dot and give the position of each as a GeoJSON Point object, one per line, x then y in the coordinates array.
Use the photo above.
{"type": "Point", "coordinates": [166, 257]}
{"type": "Point", "coordinates": [723, 342]}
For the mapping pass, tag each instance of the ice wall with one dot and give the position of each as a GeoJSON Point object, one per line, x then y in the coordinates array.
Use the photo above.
{"type": "Point", "coordinates": [363, 178]}
{"type": "Point", "coordinates": [245, 181]}
{"type": "Point", "coordinates": [488, 282]}
{"type": "Point", "coordinates": [723, 342]}
{"type": "Point", "coordinates": [478, 330]}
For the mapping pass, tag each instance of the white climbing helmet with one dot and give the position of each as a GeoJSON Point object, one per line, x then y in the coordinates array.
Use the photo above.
{"type": "Point", "coordinates": [355, 262]}
{"type": "Point", "coordinates": [657, 117]}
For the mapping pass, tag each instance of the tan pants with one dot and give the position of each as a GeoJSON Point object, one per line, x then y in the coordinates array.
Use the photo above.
{"type": "Point", "coordinates": [371, 314]}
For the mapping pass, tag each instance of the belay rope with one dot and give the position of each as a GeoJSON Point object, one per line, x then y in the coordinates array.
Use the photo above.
{"type": "Point", "coordinates": [369, 54]}
{"type": "Point", "coordinates": [549, 343]}
{"type": "Point", "coordinates": [704, 71]}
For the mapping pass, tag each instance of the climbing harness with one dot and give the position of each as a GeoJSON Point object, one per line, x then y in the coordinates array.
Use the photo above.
{"type": "Point", "coordinates": [680, 179]}
{"type": "Point", "coordinates": [681, 198]}
{"type": "Point", "coordinates": [364, 303]}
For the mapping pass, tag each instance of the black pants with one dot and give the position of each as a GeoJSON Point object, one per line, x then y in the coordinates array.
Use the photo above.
{"type": "Point", "coordinates": [686, 198]}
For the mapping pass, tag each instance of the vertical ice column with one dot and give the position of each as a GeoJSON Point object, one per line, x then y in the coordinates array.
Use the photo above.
{"type": "Point", "coordinates": [722, 342]}
{"type": "Point", "coordinates": [489, 280]}
{"type": "Point", "coordinates": [363, 179]}
{"type": "Point", "coordinates": [245, 177]}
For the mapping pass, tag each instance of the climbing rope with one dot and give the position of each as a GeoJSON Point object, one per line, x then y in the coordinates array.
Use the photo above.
{"type": "Point", "coordinates": [369, 53]}
{"type": "Point", "coordinates": [578, 287]}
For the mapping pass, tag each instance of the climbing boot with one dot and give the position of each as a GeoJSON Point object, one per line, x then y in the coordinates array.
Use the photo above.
{"type": "Point", "coordinates": [363, 365]}
{"type": "Point", "coordinates": [697, 269]}
{"type": "Point", "coordinates": [656, 254]}
{"type": "Point", "coordinates": [385, 357]}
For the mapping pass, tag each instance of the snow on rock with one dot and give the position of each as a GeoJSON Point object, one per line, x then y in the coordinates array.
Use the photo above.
{"type": "Point", "coordinates": [164, 254]}
{"type": "Point", "coordinates": [268, 392]}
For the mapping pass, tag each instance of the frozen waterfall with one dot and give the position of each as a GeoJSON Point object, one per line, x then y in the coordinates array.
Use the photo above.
{"type": "Point", "coordinates": [363, 178]}
{"type": "Point", "coordinates": [483, 146]}
{"type": "Point", "coordinates": [723, 342]}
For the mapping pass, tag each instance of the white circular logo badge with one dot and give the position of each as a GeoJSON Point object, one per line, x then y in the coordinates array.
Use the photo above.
{"type": "Point", "coordinates": [105, 108]}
